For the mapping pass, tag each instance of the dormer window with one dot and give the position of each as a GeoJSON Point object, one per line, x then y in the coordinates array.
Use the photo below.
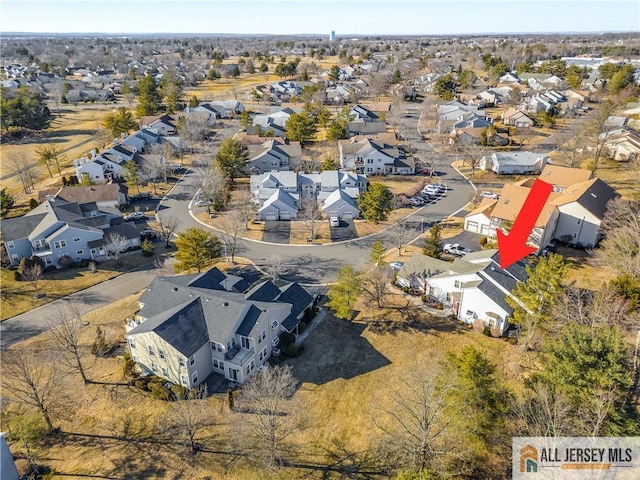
{"type": "Point", "coordinates": [274, 324]}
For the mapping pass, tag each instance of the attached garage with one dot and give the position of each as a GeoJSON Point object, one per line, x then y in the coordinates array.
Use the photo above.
{"type": "Point", "coordinates": [472, 226]}
{"type": "Point", "coordinates": [284, 215]}
{"type": "Point", "coordinates": [271, 216]}
{"type": "Point", "coordinates": [347, 214]}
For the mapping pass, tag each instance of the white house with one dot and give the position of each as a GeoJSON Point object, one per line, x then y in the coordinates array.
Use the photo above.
{"type": "Point", "coordinates": [280, 206]}
{"type": "Point", "coordinates": [514, 163]}
{"type": "Point", "coordinates": [372, 156]}
{"type": "Point", "coordinates": [339, 204]}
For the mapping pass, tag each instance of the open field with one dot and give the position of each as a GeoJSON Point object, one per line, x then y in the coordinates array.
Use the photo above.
{"type": "Point", "coordinates": [348, 371]}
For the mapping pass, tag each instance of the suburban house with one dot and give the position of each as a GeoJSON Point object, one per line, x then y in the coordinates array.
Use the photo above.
{"type": "Point", "coordinates": [362, 127]}
{"type": "Point", "coordinates": [473, 136]}
{"type": "Point", "coordinates": [109, 165]}
{"type": "Point", "coordinates": [373, 156]}
{"type": "Point", "coordinates": [110, 195]}
{"type": "Point", "coordinates": [510, 78]}
{"type": "Point", "coordinates": [359, 112]}
{"type": "Point", "coordinates": [573, 213]}
{"type": "Point", "coordinates": [455, 114]}
{"type": "Point", "coordinates": [279, 194]}
{"type": "Point", "coordinates": [165, 124]}
{"type": "Point", "coordinates": [623, 144]}
{"type": "Point", "coordinates": [191, 326]}
{"type": "Point", "coordinates": [275, 122]}
{"type": "Point", "coordinates": [517, 118]}
{"type": "Point", "coordinates": [474, 286]}
{"type": "Point", "coordinates": [514, 163]}
{"type": "Point", "coordinates": [272, 154]}
{"type": "Point", "coordinates": [57, 228]}
{"type": "Point", "coordinates": [541, 81]}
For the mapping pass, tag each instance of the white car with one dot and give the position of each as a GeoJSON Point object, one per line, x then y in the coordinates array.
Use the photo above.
{"type": "Point", "coordinates": [491, 195]}
{"type": "Point", "coordinates": [334, 221]}
{"type": "Point", "coordinates": [455, 249]}
{"type": "Point", "coordinates": [135, 216]}
{"type": "Point", "coordinates": [203, 203]}
{"type": "Point", "coordinates": [396, 265]}
{"type": "Point", "coordinates": [434, 188]}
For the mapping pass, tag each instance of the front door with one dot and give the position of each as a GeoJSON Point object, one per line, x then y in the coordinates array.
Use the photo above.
{"type": "Point", "coordinates": [233, 373]}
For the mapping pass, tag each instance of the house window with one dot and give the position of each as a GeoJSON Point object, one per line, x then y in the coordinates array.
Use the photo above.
{"type": "Point", "coordinates": [275, 341]}
{"type": "Point", "coordinates": [76, 239]}
{"type": "Point", "coordinates": [263, 354]}
{"type": "Point", "coordinates": [154, 367]}
{"type": "Point", "coordinates": [60, 243]}
{"type": "Point", "coordinates": [48, 260]}
{"type": "Point", "coordinates": [132, 343]}
{"type": "Point", "coordinates": [218, 364]}
{"type": "Point", "coordinates": [151, 350]}
{"type": "Point", "coordinates": [262, 336]}
{"type": "Point", "coordinates": [79, 252]}
{"type": "Point", "coordinates": [457, 284]}
{"type": "Point", "coordinates": [274, 324]}
{"type": "Point", "coordinates": [135, 358]}
{"type": "Point", "coordinates": [165, 372]}
{"type": "Point", "coordinates": [10, 245]}
{"type": "Point", "coordinates": [161, 353]}
{"type": "Point", "coordinates": [194, 377]}
{"type": "Point", "coordinates": [183, 380]}
{"type": "Point", "coordinates": [231, 343]}
{"type": "Point", "coordinates": [578, 221]}
{"type": "Point", "coordinates": [192, 360]}
{"type": "Point", "coordinates": [38, 244]}
{"type": "Point", "coordinates": [245, 342]}
{"type": "Point", "coordinates": [181, 362]}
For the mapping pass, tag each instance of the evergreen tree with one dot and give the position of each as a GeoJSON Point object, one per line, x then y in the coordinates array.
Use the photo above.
{"type": "Point", "coordinates": [344, 293]}
{"type": "Point", "coordinates": [120, 121]}
{"type": "Point", "coordinates": [149, 98]}
{"type": "Point", "coordinates": [376, 255]}
{"type": "Point", "coordinates": [376, 203]}
{"type": "Point", "coordinates": [245, 119]}
{"type": "Point", "coordinates": [131, 175]}
{"type": "Point", "coordinates": [328, 164]}
{"type": "Point", "coordinates": [197, 249]}
{"type": "Point", "coordinates": [231, 157]}
{"type": "Point", "coordinates": [433, 243]}
{"type": "Point", "coordinates": [172, 91]}
{"type": "Point", "coordinates": [301, 127]}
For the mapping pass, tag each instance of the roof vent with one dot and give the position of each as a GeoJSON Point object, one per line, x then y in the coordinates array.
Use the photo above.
{"type": "Point", "coordinates": [207, 299]}
{"type": "Point", "coordinates": [225, 304]}
{"type": "Point", "coordinates": [175, 289]}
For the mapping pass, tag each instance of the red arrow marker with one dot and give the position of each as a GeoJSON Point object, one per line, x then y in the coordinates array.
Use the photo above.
{"type": "Point", "coordinates": [513, 247]}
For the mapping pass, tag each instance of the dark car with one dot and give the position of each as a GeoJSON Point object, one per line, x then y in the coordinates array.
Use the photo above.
{"type": "Point", "coordinates": [140, 196]}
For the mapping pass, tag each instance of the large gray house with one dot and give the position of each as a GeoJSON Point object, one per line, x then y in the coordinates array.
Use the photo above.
{"type": "Point", "coordinates": [192, 325]}
{"type": "Point", "coordinates": [58, 228]}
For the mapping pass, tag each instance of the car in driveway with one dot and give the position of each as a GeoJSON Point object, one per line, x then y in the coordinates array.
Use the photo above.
{"type": "Point", "coordinates": [140, 196]}
{"type": "Point", "coordinates": [148, 234]}
{"type": "Point", "coordinates": [455, 249]}
{"type": "Point", "coordinates": [334, 221]}
{"type": "Point", "coordinates": [396, 265]}
{"type": "Point", "coordinates": [135, 216]}
{"type": "Point", "coordinates": [491, 195]}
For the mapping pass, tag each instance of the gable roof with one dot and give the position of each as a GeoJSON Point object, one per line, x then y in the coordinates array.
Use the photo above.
{"type": "Point", "coordinates": [512, 198]}
{"type": "Point", "coordinates": [84, 194]}
{"type": "Point", "coordinates": [593, 195]}
{"type": "Point", "coordinates": [564, 176]}
{"type": "Point", "coordinates": [183, 327]}
{"type": "Point", "coordinates": [20, 227]}
{"type": "Point", "coordinates": [263, 292]}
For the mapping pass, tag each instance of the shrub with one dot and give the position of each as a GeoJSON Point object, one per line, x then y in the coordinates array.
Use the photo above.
{"type": "Point", "coordinates": [179, 392]}
{"type": "Point", "coordinates": [147, 248]}
{"type": "Point", "coordinates": [129, 365]}
{"type": "Point", "coordinates": [292, 350]}
{"type": "Point", "coordinates": [17, 276]}
{"type": "Point", "coordinates": [65, 261]}
{"type": "Point", "coordinates": [159, 391]}
{"type": "Point", "coordinates": [93, 268]}
{"type": "Point", "coordinates": [230, 399]}
{"type": "Point", "coordinates": [512, 341]}
{"type": "Point", "coordinates": [100, 347]}
{"type": "Point", "coordinates": [33, 203]}
{"type": "Point", "coordinates": [286, 339]}
{"type": "Point", "coordinates": [483, 242]}
{"type": "Point", "coordinates": [486, 331]}
{"type": "Point", "coordinates": [142, 385]}
{"type": "Point", "coordinates": [302, 327]}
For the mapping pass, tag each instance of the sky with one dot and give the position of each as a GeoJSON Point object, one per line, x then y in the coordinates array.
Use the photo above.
{"type": "Point", "coordinates": [362, 17]}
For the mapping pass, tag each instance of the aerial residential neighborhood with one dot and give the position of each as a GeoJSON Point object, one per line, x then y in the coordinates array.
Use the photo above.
{"type": "Point", "coordinates": [238, 253]}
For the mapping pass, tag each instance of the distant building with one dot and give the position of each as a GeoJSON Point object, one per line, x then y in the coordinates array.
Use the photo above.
{"type": "Point", "coordinates": [332, 36]}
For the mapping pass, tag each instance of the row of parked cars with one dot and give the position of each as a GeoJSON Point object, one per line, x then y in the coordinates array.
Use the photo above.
{"type": "Point", "coordinates": [430, 193]}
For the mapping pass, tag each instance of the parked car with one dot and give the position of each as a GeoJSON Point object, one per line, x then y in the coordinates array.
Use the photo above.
{"type": "Point", "coordinates": [203, 203]}
{"type": "Point", "coordinates": [148, 234]}
{"type": "Point", "coordinates": [334, 221]}
{"type": "Point", "coordinates": [135, 216]}
{"type": "Point", "coordinates": [140, 196]}
{"type": "Point", "coordinates": [434, 188]}
{"type": "Point", "coordinates": [455, 249]}
{"type": "Point", "coordinates": [175, 168]}
{"type": "Point", "coordinates": [396, 265]}
{"type": "Point", "coordinates": [493, 196]}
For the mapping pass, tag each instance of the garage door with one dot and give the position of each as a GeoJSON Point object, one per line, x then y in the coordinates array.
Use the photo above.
{"type": "Point", "coordinates": [485, 229]}
{"type": "Point", "coordinates": [472, 226]}
{"type": "Point", "coordinates": [347, 214]}
{"type": "Point", "coordinates": [271, 216]}
{"type": "Point", "coordinates": [285, 215]}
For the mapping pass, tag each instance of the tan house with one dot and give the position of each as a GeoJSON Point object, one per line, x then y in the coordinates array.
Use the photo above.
{"type": "Point", "coordinates": [517, 118]}
{"type": "Point", "coordinates": [190, 326]}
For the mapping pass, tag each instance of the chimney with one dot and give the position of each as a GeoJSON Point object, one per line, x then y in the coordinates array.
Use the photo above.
{"type": "Point", "coordinates": [123, 136]}
{"type": "Point", "coordinates": [93, 154]}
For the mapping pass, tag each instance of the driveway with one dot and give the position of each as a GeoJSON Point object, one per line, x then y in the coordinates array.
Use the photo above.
{"type": "Point", "coordinates": [276, 231]}
{"type": "Point", "coordinates": [468, 240]}
{"type": "Point", "coordinates": [345, 231]}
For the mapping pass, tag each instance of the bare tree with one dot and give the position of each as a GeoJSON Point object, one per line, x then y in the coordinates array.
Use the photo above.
{"type": "Point", "coordinates": [19, 164]}
{"type": "Point", "coordinates": [188, 415]}
{"type": "Point", "coordinates": [211, 181]}
{"type": "Point", "coordinates": [375, 282]}
{"type": "Point", "coordinates": [270, 415]}
{"type": "Point", "coordinates": [165, 228]}
{"type": "Point", "coordinates": [378, 84]}
{"type": "Point", "coordinates": [400, 235]}
{"type": "Point", "coordinates": [600, 129]}
{"type": "Point", "coordinates": [115, 244]}
{"type": "Point", "coordinates": [101, 137]}
{"type": "Point", "coordinates": [574, 150]}
{"type": "Point", "coordinates": [246, 206]}
{"type": "Point", "coordinates": [417, 422]}
{"type": "Point", "coordinates": [310, 213]}
{"type": "Point", "coordinates": [231, 226]}
{"type": "Point", "coordinates": [544, 412]}
{"type": "Point", "coordinates": [33, 274]}
{"type": "Point", "coordinates": [273, 268]}
{"type": "Point", "coordinates": [155, 167]}
{"type": "Point", "coordinates": [30, 378]}
{"type": "Point", "coordinates": [471, 155]}
{"type": "Point", "coordinates": [194, 128]}
{"type": "Point", "coordinates": [65, 329]}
